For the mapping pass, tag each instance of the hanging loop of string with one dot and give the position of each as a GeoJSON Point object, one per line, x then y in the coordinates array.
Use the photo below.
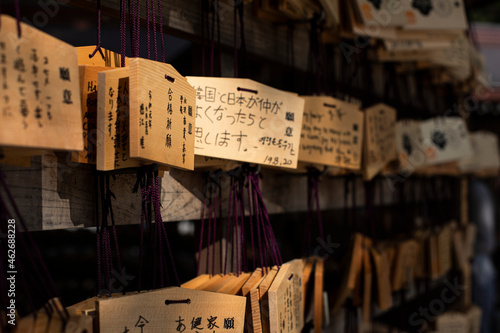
{"type": "Point", "coordinates": [159, 244]}
{"type": "Point", "coordinates": [313, 179]}
{"type": "Point", "coordinates": [98, 45]}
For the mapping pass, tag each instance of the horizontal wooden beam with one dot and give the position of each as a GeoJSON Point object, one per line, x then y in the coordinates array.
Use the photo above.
{"type": "Point", "coordinates": [55, 193]}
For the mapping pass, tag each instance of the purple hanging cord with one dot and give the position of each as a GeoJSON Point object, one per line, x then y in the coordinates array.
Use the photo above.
{"type": "Point", "coordinates": [214, 233]}
{"type": "Point", "coordinates": [154, 30]}
{"type": "Point", "coordinates": [98, 46]}
{"type": "Point", "coordinates": [160, 14]}
{"type": "Point", "coordinates": [249, 185]}
{"type": "Point", "coordinates": [235, 41]}
{"type": "Point", "coordinates": [123, 28]}
{"type": "Point", "coordinates": [200, 247]}
{"type": "Point", "coordinates": [228, 229]}
{"type": "Point", "coordinates": [148, 15]}
{"type": "Point", "coordinates": [18, 17]}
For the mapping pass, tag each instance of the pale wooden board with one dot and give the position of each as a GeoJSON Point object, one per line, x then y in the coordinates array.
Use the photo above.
{"type": "Point", "coordinates": [445, 139]}
{"type": "Point", "coordinates": [318, 295]}
{"type": "Point", "coordinates": [111, 59]}
{"type": "Point", "coordinates": [286, 300]}
{"type": "Point", "coordinates": [255, 310]}
{"type": "Point", "coordinates": [39, 90]}
{"type": "Point", "coordinates": [332, 133]}
{"type": "Point", "coordinates": [113, 127]}
{"type": "Point", "coordinates": [48, 202]}
{"type": "Point", "coordinates": [411, 153]}
{"type": "Point", "coordinates": [258, 126]}
{"type": "Point", "coordinates": [192, 284]}
{"type": "Point", "coordinates": [115, 315]}
{"type": "Point", "coordinates": [88, 97]}
{"type": "Point", "coordinates": [383, 281]}
{"type": "Point", "coordinates": [437, 14]}
{"type": "Point", "coordinates": [254, 278]}
{"type": "Point", "coordinates": [452, 322]}
{"type": "Point", "coordinates": [486, 154]}
{"type": "Point", "coordinates": [391, 13]}
{"type": "Point", "coordinates": [380, 143]}
{"type": "Point", "coordinates": [474, 319]}
{"type": "Point", "coordinates": [367, 287]}
{"type": "Point", "coordinates": [264, 298]}
{"type": "Point", "coordinates": [162, 114]}
{"type": "Point", "coordinates": [234, 286]}
{"type": "Point", "coordinates": [213, 280]}
{"type": "Point", "coordinates": [306, 276]}
{"type": "Point", "coordinates": [350, 275]}
{"type": "Point", "coordinates": [444, 240]}
{"type": "Point", "coordinates": [217, 285]}
{"type": "Point", "coordinates": [433, 256]}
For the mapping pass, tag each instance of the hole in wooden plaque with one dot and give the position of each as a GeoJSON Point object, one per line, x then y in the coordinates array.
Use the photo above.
{"type": "Point", "coordinates": [330, 105]}
{"type": "Point", "coordinates": [171, 79]}
{"type": "Point", "coordinates": [290, 277]}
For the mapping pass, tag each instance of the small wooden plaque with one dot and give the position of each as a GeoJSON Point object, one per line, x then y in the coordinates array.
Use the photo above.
{"type": "Point", "coordinates": [39, 90]}
{"type": "Point", "coordinates": [162, 112]}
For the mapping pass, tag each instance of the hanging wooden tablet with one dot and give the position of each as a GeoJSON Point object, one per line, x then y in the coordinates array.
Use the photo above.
{"type": "Point", "coordinates": [255, 311]}
{"type": "Point", "coordinates": [318, 296]}
{"type": "Point", "coordinates": [433, 256]}
{"type": "Point", "coordinates": [383, 288]}
{"type": "Point", "coordinates": [473, 316]}
{"type": "Point", "coordinates": [162, 111]}
{"type": "Point", "coordinates": [367, 286]}
{"type": "Point", "coordinates": [264, 298]}
{"type": "Point", "coordinates": [411, 153]}
{"type": "Point", "coordinates": [452, 322]}
{"type": "Point", "coordinates": [111, 59]}
{"type": "Point", "coordinates": [243, 120]}
{"type": "Point", "coordinates": [254, 280]}
{"type": "Point", "coordinates": [39, 90]}
{"type": "Point", "coordinates": [285, 299]}
{"type": "Point", "coordinates": [113, 121]}
{"type": "Point", "coordinates": [88, 97]}
{"type": "Point", "coordinates": [404, 264]}
{"type": "Point", "coordinates": [486, 154]}
{"type": "Point", "coordinates": [332, 133]}
{"type": "Point", "coordinates": [350, 277]}
{"type": "Point", "coordinates": [309, 264]}
{"type": "Point", "coordinates": [234, 287]}
{"type": "Point", "coordinates": [444, 250]}
{"type": "Point", "coordinates": [380, 133]}
{"type": "Point", "coordinates": [384, 12]}
{"type": "Point", "coordinates": [435, 14]}
{"type": "Point", "coordinates": [445, 139]}
{"type": "Point", "coordinates": [197, 281]}
{"type": "Point", "coordinates": [172, 310]}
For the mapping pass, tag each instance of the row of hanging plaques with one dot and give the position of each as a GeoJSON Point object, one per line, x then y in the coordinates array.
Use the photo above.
{"type": "Point", "coordinates": [146, 112]}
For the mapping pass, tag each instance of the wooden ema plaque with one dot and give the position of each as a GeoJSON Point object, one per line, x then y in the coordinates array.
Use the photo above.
{"type": "Point", "coordinates": [445, 139]}
{"type": "Point", "coordinates": [404, 264]}
{"type": "Point", "coordinates": [88, 97]}
{"type": "Point", "coordinates": [243, 120]}
{"type": "Point", "coordinates": [380, 133]}
{"type": "Point", "coordinates": [162, 112]}
{"type": "Point", "coordinates": [39, 90]}
{"type": "Point", "coordinates": [332, 133]}
{"type": "Point", "coordinates": [286, 300]}
{"type": "Point", "coordinates": [172, 310]}
{"type": "Point", "coordinates": [112, 121]}
{"type": "Point", "coordinates": [318, 295]}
